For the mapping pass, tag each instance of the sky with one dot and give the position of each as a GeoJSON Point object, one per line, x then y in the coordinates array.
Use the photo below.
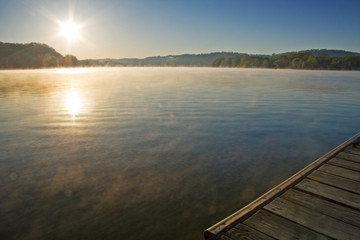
{"type": "Point", "coordinates": [142, 28]}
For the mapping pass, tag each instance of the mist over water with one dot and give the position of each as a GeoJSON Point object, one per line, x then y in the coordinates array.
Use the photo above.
{"type": "Point", "coordinates": [157, 153]}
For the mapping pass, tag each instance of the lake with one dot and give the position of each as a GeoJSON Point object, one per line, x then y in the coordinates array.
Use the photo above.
{"type": "Point", "coordinates": [157, 153]}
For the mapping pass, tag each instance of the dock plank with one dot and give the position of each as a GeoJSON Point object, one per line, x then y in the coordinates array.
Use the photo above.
{"type": "Point", "coordinates": [345, 164]}
{"type": "Point", "coordinates": [354, 150]}
{"type": "Point", "coordinates": [336, 194]}
{"type": "Point", "coordinates": [223, 237]}
{"type": "Point", "coordinates": [339, 171]}
{"type": "Point", "coordinates": [279, 227]}
{"type": "Point", "coordinates": [241, 232]}
{"type": "Point", "coordinates": [345, 214]}
{"type": "Point", "coordinates": [349, 156]}
{"type": "Point", "coordinates": [336, 181]}
{"type": "Point", "coordinates": [321, 201]}
{"type": "Point", "coordinates": [306, 217]}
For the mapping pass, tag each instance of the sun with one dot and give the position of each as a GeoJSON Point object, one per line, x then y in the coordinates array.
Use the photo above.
{"type": "Point", "coordinates": [69, 30]}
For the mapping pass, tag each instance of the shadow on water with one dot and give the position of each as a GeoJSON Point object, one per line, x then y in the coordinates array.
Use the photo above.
{"type": "Point", "coordinates": [158, 153]}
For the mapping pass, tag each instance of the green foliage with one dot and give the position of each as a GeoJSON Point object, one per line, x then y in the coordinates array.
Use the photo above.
{"type": "Point", "coordinates": [265, 63]}
{"type": "Point", "coordinates": [217, 62]}
{"type": "Point", "coordinates": [32, 55]}
{"type": "Point", "coordinates": [36, 55]}
{"type": "Point", "coordinates": [208, 59]}
{"type": "Point", "coordinates": [297, 60]}
{"type": "Point", "coordinates": [296, 63]}
{"type": "Point", "coordinates": [70, 61]}
{"type": "Point", "coordinates": [350, 62]}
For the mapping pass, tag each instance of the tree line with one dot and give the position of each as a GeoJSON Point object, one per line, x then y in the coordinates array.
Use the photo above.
{"type": "Point", "coordinates": [297, 60]}
{"type": "Point", "coordinates": [37, 55]}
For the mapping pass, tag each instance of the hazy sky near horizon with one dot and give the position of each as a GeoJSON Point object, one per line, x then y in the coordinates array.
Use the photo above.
{"type": "Point", "coordinates": [141, 28]}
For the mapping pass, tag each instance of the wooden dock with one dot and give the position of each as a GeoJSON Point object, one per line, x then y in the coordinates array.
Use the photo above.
{"type": "Point", "coordinates": [322, 201]}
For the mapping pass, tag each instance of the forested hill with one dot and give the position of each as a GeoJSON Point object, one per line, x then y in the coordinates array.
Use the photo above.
{"type": "Point", "coordinates": [32, 55]}
{"type": "Point", "coordinates": [329, 53]}
{"type": "Point", "coordinates": [36, 55]}
{"type": "Point", "coordinates": [175, 60]}
{"type": "Point", "coordinates": [310, 59]}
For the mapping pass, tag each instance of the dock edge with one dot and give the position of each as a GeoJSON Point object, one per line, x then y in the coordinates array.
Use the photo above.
{"type": "Point", "coordinates": [255, 205]}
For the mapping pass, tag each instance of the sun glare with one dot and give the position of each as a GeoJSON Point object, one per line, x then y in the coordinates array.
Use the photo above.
{"type": "Point", "coordinates": [73, 103]}
{"type": "Point", "coordinates": [69, 30]}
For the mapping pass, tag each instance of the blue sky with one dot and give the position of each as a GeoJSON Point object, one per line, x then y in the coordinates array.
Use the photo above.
{"type": "Point", "coordinates": [134, 28]}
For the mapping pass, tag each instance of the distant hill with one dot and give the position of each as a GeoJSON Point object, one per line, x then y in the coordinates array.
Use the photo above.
{"type": "Point", "coordinates": [309, 59]}
{"type": "Point", "coordinates": [32, 55]}
{"type": "Point", "coordinates": [37, 55]}
{"type": "Point", "coordinates": [173, 60]}
{"type": "Point", "coordinates": [330, 53]}
{"type": "Point", "coordinates": [320, 59]}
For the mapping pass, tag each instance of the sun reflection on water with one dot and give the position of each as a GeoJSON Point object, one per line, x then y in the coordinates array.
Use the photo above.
{"type": "Point", "coordinates": [73, 102]}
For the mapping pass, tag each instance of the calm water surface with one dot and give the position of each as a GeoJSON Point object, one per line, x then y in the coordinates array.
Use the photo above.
{"type": "Point", "coordinates": [157, 153]}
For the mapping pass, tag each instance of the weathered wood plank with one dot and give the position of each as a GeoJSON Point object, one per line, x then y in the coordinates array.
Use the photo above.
{"type": "Point", "coordinates": [345, 164]}
{"type": "Point", "coordinates": [280, 228]}
{"type": "Point", "coordinates": [223, 237]}
{"type": "Point", "coordinates": [349, 156]}
{"type": "Point", "coordinates": [336, 181]}
{"type": "Point", "coordinates": [329, 192]}
{"type": "Point", "coordinates": [353, 150]}
{"type": "Point", "coordinates": [339, 171]}
{"type": "Point", "coordinates": [306, 217]}
{"type": "Point", "coordinates": [249, 209]}
{"type": "Point", "coordinates": [323, 206]}
{"type": "Point", "coordinates": [330, 178]}
{"type": "Point", "coordinates": [242, 232]}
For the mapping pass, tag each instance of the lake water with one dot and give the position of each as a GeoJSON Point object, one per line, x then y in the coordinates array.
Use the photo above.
{"type": "Point", "coordinates": [157, 153]}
